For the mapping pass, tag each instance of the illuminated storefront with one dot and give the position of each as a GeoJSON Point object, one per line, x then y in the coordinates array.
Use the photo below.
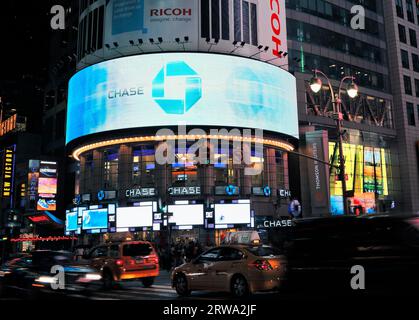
{"type": "Point", "coordinates": [368, 171]}
{"type": "Point", "coordinates": [185, 84]}
{"type": "Point", "coordinates": [115, 134]}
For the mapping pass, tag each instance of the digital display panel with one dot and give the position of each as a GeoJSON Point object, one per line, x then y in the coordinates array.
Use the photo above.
{"type": "Point", "coordinates": [95, 219]}
{"type": "Point", "coordinates": [141, 216]}
{"type": "Point", "coordinates": [47, 185]}
{"type": "Point", "coordinates": [71, 221]}
{"type": "Point", "coordinates": [46, 204]}
{"type": "Point", "coordinates": [366, 173]}
{"type": "Point", "coordinates": [169, 89]}
{"type": "Point", "coordinates": [187, 214]}
{"type": "Point", "coordinates": [232, 213]}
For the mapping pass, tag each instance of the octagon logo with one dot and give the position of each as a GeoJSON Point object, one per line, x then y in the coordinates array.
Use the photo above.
{"type": "Point", "coordinates": [185, 88]}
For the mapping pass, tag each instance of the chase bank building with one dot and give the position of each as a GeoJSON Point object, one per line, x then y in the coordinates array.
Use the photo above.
{"type": "Point", "coordinates": [158, 78]}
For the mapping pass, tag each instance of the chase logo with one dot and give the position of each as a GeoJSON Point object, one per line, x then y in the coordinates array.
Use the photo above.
{"type": "Point", "coordinates": [177, 88]}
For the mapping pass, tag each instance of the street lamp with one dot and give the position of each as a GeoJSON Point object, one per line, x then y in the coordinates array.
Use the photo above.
{"type": "Point", "coordinates": [352, 91]}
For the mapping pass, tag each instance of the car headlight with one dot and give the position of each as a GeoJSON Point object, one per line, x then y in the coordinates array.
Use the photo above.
{"type": "Point", "coordinates": [46, 279]}
{"type": "Point", "coordinates": [93, 276]}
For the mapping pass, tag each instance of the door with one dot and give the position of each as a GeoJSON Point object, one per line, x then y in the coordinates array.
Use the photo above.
{"type": "Point", "coordinates": [201, 270]}
{"type": "Point", "coordinates": [98, 257]}
{"type": "Point", "coordinates": [230, 261]}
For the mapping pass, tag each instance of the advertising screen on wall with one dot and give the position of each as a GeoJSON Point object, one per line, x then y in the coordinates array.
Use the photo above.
{"type": "Point", "coordinates": [187, 214]}
{"type": "Point", "coordinates": [130, 217]}
{"type": "Point", "coordinates": [251, 22]}
{"type": "Point", "coordinates": [232, 213]}
{"type": "Point", "coordinates": [71, 221]}
{"type": "Point", "coordinates": [95, 219]}
{"type": "Point", "coordinates": [169, 89]}
{"type": "Point", "coordinates": [367, 178]}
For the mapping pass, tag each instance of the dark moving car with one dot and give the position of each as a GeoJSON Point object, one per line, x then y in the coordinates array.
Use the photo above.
{"type": "Point", "coordinates": [30, 275]}
{"type": "Point", "coordinates": [322, 251]}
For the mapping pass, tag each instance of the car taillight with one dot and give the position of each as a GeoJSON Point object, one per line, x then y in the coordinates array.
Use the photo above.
{"type": "Point", "coordinates": [152, 259]}
{"type": "Point", "coordinates": [263, 265]}
{"type": "Point", "coordinates": [119, 262]}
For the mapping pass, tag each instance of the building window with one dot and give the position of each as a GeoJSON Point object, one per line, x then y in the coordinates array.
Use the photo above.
{"type": "Point", "coordinates": [237, 21]}
{"type": "Point", "coordinates": [308, 33]}
{"type": "Point", "coordinates": [143, 166]}
{"type": "Point", "coordinates": [399, 8]}
{"type": "Point", "coordinates": [245, 22]}
{"type": "Point", "coordinates": [205, 28]}
{"type": "Point", "coordinates": [215, 19]}
{"type": "Point", "coordinates": [110, 168]}
{"type": "Point", "coordinates": [335, 13]}
{"type": "Point", "coordinates": [415, 61]}
{"type": "Point", "coordinates": [409, 9]}
{"type": "Point", "coordinates": [413, 40]}
{"type": "Point", "coordinates": [417, 87]}
{"type": "Point", "coordinates": [405, 59]}
{"type": "Point", "coordinates": [410, 114]}
{"type": "Point", "coordinates": [407, 85]}
{"type": "Point", "coordinates": [402, 33]}
{"type": "Point", "coordinates": [225, 20]}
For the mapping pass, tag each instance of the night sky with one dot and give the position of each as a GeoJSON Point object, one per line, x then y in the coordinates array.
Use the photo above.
{"type": "Point", "coordinates": [24, 33]}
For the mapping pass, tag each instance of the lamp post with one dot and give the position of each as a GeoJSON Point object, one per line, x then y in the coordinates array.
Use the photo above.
{"type": "Point", "coordinates": [352, 91]}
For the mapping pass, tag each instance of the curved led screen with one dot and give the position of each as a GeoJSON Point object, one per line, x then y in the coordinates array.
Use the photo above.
{"type": "Point", "coordinates": [169, 89]}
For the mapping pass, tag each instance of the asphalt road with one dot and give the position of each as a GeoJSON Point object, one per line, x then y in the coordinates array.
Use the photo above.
{"type": "Point", "coordinates": [162, 290]}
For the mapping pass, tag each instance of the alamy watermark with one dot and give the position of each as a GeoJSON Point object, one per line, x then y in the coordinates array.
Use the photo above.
{"type": "Point", "coordinates": [220, 146]}
{"type": "Point", "coordinates": [358, 20]}
{"type": "Point", "coordinates": [58, 19]}
{"type": "Point", "coordinates": [358, 280]}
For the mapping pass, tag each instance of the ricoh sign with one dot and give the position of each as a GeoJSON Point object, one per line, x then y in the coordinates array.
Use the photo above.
{"type": "Point", "coordinates": [186, 25]}
{"type": "Point", "coordinates": [277, 27]}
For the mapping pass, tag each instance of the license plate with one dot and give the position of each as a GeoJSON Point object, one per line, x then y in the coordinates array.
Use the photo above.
{"type": "Point", "coordinates": [138, 261]}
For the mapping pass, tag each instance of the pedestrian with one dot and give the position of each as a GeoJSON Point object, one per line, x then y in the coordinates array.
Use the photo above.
{"type": "Point", "coordinates": [294, 208]}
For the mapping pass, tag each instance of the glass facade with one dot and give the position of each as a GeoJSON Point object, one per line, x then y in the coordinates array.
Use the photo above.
{"type": "Point", "coordinates": [308, 33]}
{"type": "Point", "coordinates": [371, 173]}
{"type": "Point", "coordinates": [329, 11]}
{"type": "Point", "coordinates": [337, 69]}
{"type": "Point", "coordinates": [124, 167]}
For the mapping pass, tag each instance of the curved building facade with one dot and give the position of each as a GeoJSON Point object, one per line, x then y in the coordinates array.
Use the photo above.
{"type": "Point", "coordinates": [198, 127]}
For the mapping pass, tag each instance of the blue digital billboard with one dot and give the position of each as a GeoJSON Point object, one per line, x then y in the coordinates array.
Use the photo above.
{"type": "Point", "coordinates": [195, 89]}
{"type": "Point", "coordinates": [95, 219]}
{"type": "Point", "coordinates": [71, 221]}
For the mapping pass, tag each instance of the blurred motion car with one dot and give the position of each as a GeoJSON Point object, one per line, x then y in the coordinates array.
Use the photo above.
{"type": "Point", "coordinates": [322, 251]}
{"type": "Point", "coordinates": [237, 269]}
{"type": "Point", "coordinates": [125, 260]}
{"type": "Point", "coordinates": [30, 275]}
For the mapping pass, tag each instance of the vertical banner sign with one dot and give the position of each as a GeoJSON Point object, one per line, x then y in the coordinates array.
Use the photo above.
{"type": "Point", "coordinates": [318, 173]}
{"type": "Point", "coordinates": [33, 177]}
{"type": "Point", "coordinates": [47, 186]}
{"type": "Point", "coordinates": [8, 174]}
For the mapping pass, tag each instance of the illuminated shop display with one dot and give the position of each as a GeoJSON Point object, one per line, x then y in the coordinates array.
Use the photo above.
{"type": "Point", "coordinates": [186, 214]}
{"type": "Point", "coordinates": [71, 223]}
{"type": "Point", "coordinates": [232, 213]}
{"type": "Point", "coordinates": [95, 219]}
{"type": "Point", "coordinates": [138, 216]}
{"type": "Point", "coordinates": [161, 90]}
{"type": "Point", "coordinates": [43, 179]}
{"type": "Point", "coordinates": [367, 172]}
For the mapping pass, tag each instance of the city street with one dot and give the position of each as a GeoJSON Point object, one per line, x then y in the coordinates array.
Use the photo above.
{"type": "Point", "coordinates": [208, 152]}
